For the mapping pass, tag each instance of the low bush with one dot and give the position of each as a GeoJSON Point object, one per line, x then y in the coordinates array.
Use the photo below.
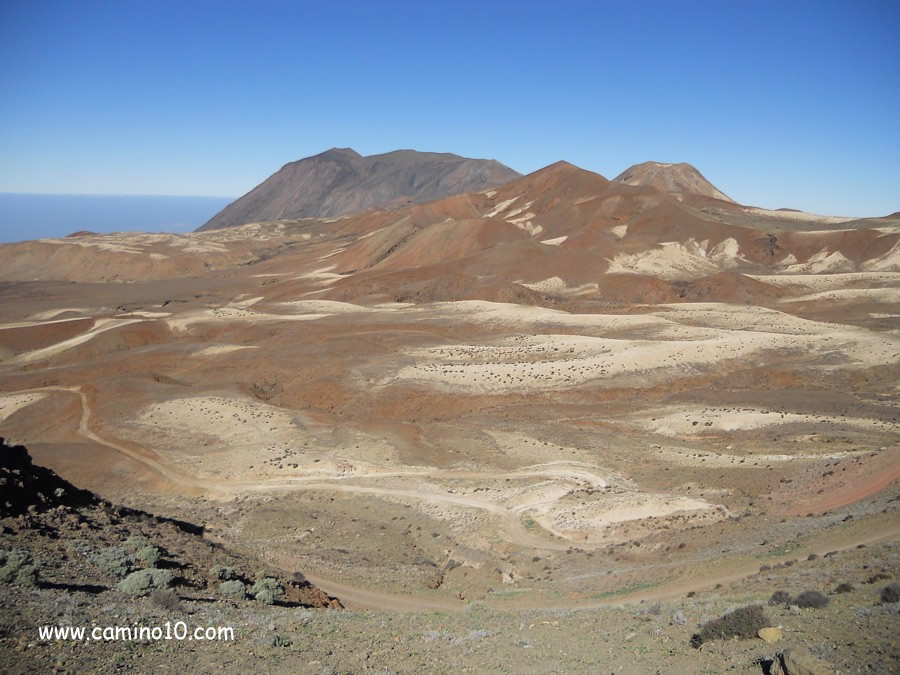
{"type": "Point", "coordinates": [114, 561]}
{"type": "Point", "coordinates": [223, 573]}
{"type": "Point", "coordinates": [891, 593]}
{"type": "Point", "coordinates": [149, 556]}
{"type": "Point", "coordinates": [79, 547]}
{"type": "Point", "coordinates": [780, 598]}
{"type": "Point", "coordinates": [143, 582]}
{"type": "Point", "coordinates": [267, 590]}
{"type": "Point", "coordinates": [165, 599]}
{"type": "Point", "coordinates": [233, 589]}
{"type": "Point", "coordinates": [744, 622]}
{"type": "Point", "coordinates": [812, 600]}
{"type": "Point", "coordinates": [17, 567]}
{"type": "Point", "coordinates": [136, 542]}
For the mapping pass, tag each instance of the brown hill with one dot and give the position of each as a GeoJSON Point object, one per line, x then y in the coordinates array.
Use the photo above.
{"type": "Point", "coordinates": [672, 178]}
{"type": "Point", "coordinates": [340, 181]}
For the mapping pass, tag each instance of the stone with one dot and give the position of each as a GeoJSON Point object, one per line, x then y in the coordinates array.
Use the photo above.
{"type": "Point", "coordinates": [770, 634]}
{"type": "Point", "coordinates": [799, 661]}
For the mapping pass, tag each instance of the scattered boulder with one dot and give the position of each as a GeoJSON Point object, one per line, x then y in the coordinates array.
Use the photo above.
{"type": "Point", "coordinates": [770, 634]}
{"type": "Point", "coordinates": [799, 661]}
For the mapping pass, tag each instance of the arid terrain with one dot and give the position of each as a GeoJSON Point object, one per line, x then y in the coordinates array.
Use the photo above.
{"type": "Point", "coordinates": [510, 412]}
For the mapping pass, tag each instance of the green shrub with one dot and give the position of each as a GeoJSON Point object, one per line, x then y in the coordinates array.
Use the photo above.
{"type": "Point", "coordinates": [812, 600]}
{"type": "Point", "coordinates": [891, 593]}
{"type": "Point", "coordinates": [149, 556]}
{"type": "Point", "coordinates": [165, 599]}
{"type": "Point", "coordinates": [223, 573]}
{"type": "Point", "coordinates": [267, 590]}
{"type": "Point", "coordinates": [114, 561]}
{"type": "Point", "coordinates": [233, 589]}
{"type": "Point", "coordinates": [741, 623]}
{"type": "Point", "coordinates": [136, 542]}
{"type": "Point", "coordinates": [79, 547]}
{"type": "Point", "coordinates": [17, 567]}
{"type": "Point", "coordinates": [780, 598]}
{"type": "Point", "coordinates": [143, 582]}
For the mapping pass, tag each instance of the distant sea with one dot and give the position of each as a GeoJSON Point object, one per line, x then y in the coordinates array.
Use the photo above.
{"type": "Point", "coordinates": [33, 216]}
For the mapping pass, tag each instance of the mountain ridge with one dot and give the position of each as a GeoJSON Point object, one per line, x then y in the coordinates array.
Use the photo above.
{"type": "Point", "coordinates": [340, 181]}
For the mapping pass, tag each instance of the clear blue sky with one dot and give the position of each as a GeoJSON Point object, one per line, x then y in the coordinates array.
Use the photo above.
{"type": "Point", "coordinates": [778, 103]}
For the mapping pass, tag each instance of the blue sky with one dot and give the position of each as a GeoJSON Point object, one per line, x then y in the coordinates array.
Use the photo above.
{"type": "Point", "coordinates": [778, 103]}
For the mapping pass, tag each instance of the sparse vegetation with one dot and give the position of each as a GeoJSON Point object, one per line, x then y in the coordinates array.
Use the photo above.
{"type": "Point", "coordinates": [780, 598]}
{"type": "Point", "coordinates": [234, 589]}
{"type": "Point", "coordinates": [741, 623]}
{"type": "Point", "coordinates": [136, 542]}
{"type": "Point", "coordinates": [223, 573]}
{"type": "Point", "coordinates": [812, 600]}
{"type": "Point", "coordinates": [891, 593]}
{"type": "Point", "coordinates": [149, 556]}
{"type": "Point", "coordinates": [165, 599]}
{"type": "Point", "coordinates": [143, 582]}
{"type": "Point", "coordinates": [17, 567]}
{"type": "Point", "coordinates": [267, 590]}
{"type": "Point", "coordinates": [114, 561]}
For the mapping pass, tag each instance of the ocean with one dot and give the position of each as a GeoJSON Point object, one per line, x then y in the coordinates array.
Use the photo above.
{"type": "Point", "coordinates": [34, 216]}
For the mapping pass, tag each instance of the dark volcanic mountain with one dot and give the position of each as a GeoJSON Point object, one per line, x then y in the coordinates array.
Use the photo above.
{"type": "Point", "coordinates": [341, 181]}
{"type": "Point", "coordinates": [672, 178]}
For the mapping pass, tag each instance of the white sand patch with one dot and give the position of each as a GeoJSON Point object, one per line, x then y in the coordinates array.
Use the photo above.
{"type": "Point", "coordinates": [619, 231]}
{"type": "Point", "coordinates": [532, 362]}
{"type": "Point", "coordinates": [694, 421]}
{"type": "Point", "coordinates": [726, 254]}
{"type": "Point", "coordinates": [529, 451]}
{"type": "Point", "coordinates": [870, 294]}
{"type": "Point", "coordinates": [672, 261]}
{"type": "Point", "coordinates": [499, 208]}
{"type": "Point", "coordinates": [249, 302]}
{"type": "Point", "coordinates": [332, 253]}
{"type": "Point", "coordinates": [225, 314]}
{"type": "Point", "coordinates": [817, 282]}
{"type": "Point", "coordinates": [740, 318]}
{"type": "Point", "coordinates": [53, 313]}
{"type": "Point", "coordinates": [822, 262]}
{"type": "Point", "coordinates": [528, 227]}
{"type": "Point", "coordinates": [13, 402]}
{"type": "Point", "coordinates": [100, 326]}
{"type": "Point", "coordinates": [324, 307]}
{"type": "Point", "coordinates": [555, 242]}
{"type": "Point", "coordinates": [148, 315]}
{"type": "Point", "coordinates": [244, 438]}
{"type": "Point", "coordinates": [595, 520]}
{"type": "Point", "coordinates": [726, 459]}
{"type": "Point", "coordinates": [516, 212]}
{"type": "Point", "coordinates": [323, 276]}
{"type": "Point", "coordinates": [527, 316]}
{"type": "Point", "coordinates": [29, 324]}
{"type": "Point", "coordinates": [796, 215]}
{"type": "Point", "coordinates": [889, 262]}
{"type": "Point", "coordinates": [559, 287]}
{"type": "Point", "coordinates": [216, 350]}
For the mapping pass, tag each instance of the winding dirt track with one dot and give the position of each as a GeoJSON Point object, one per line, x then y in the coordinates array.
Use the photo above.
{"type": "Point", "coordinates": [513, 529]}
{"type": "Point", "coordinates": [365, 598]}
